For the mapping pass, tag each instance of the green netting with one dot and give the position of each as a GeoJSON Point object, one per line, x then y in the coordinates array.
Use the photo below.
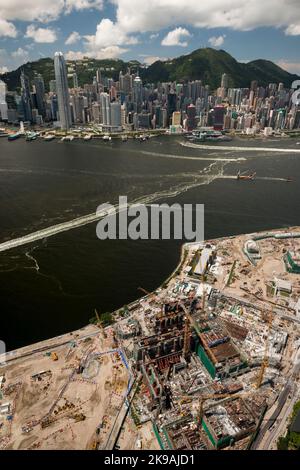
{"type": "Point", "coordinates": [208, 433]}
{"type": "Point", "coordinates": [206, 361]}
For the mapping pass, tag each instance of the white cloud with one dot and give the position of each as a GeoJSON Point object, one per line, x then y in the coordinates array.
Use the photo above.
{"type": "Point", "coordinates": [3, 69]}
{"type": "Point", "coordinates": [110, 52]}
{"type": "Point", "coordinates": [83, 5]}
{"type": "Point", "coordinates": [109, 34]}
{"type": "Point", "coordinates": [7, 29]}
{"type": "Point", "coordinates": [150, 59]}
{"type": "Point", "coordinates": [21, 55]}
{"type": "Point", "coordinates": [292, 67]}
{"type": "Point", "coordinates": [73, 38]}
{"type": "Point", "coordinates": [293, 30]}
{"type": "Point", "coordinates": [44, 35]}
{"type": "Point", "coordinates": [174, 38]}
{"type": "Point", "coordinates": [134, 15]}
{"type": "Point", "coordinates": [43, 10]}
{"type": "Point", "coordinates": [217, 41]}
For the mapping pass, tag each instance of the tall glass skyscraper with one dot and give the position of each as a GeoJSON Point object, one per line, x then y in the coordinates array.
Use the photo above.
{"type": "Point", "coordinates": [62, 90]}
{"type": "Point", "coordinates": [3, 104]}
{"type": "Point", "coordinates": [40, 94]}
{"type": "Point", "coordinates": [26, 97]}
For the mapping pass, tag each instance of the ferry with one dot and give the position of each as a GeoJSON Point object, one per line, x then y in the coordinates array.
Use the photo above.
{"type": "Point", "coordinates": [31, 136]}
{"type": "Point", "coordinates": [250, 177]}
{"type": "Point", "coordinates": [208, 136]}
{"type": "Point", "coordinates": [15, 136]}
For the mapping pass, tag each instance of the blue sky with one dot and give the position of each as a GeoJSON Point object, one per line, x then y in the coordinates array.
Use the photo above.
{"type": "Point", "coordinates": [149, 29]}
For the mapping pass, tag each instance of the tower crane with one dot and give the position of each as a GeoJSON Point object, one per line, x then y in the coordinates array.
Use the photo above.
{"type": "Point", "coordinates": [190, 322]}
{"type": "Point", "coordinates": [265, 361]}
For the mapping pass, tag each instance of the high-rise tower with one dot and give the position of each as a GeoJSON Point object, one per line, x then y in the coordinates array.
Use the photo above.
{"type": "Point", "coordinates": [3, 104]}
{"type": "Point", "coordinates": [26, 97]}
{"type": "Point", "coordinates": [40, 94]}
{"type": "Point", "coordinates": [62, 90]}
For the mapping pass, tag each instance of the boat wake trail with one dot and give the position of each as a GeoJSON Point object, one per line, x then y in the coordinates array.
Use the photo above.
{"type": "Point", "coordinates": [240, 149]}
{"type": "Point", "coordinates": [183, 157]}
{"type": "Point", "coordinates": [263, 178]}
{"type": "Point", "coordinates": [205, 176]}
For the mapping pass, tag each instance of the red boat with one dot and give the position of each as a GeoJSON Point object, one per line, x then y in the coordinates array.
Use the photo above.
{"type": "Point", "coordinates": [246, 177]}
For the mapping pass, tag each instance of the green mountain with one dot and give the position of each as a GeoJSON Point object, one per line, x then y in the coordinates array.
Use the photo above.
{"type": "Point", "coordinates": [206, 64]}
{"type": "Point", "coordinates": [209, 64]}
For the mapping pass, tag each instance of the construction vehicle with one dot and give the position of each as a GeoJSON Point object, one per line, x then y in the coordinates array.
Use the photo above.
{"type": "Point", "coordinates": [265, 361]}
{"type": "Point", "coordinates": [94, 445]}
{"type": "Point", "coordinates": [54, 356]}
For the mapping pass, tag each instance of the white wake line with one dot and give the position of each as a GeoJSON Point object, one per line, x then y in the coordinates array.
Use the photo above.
{"type": "Point", "coordinates": [181, 157]}
{"type": "Point", "coordinates": [55, 229]}
{"type": "Point", "coordinates": [89, 218]}
{"type": "Point", "coordinates": [240, 149]}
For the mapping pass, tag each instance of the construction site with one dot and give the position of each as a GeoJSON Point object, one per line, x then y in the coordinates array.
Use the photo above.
{"type": "Point", "coordinates": [208, 361]}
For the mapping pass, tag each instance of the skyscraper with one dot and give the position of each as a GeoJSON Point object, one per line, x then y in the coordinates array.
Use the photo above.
{"type": "Point", "coordinates": [75, 80]}
{"type": "Point", "coordinates": [62, 91]}
{"type": "Point", "coordinates": [40, 94]}
{"type": "Point", "coordinates": [105, 108]}
{"type": "Point", "coordinates": [137, 94]}
{"type": "Point", "coordinates": [52, 86]}
{"type": "Point", "coordinates": [3, 104]}
{"type": "Point", "coordinates": [26, 97]}
{"type": "Point", "coordinates": [224, 80]}
{"type": "Point", "coordinates": [115, 112]}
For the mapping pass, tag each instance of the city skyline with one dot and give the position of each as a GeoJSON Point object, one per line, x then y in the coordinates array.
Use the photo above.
{"type": "Point", "coordinates": [127, 30]}
{"type": "Point", "coordinates": [127, 104]}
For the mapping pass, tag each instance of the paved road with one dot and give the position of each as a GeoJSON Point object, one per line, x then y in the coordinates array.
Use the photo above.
{"type": "Point", "coordinates": [291, 387]}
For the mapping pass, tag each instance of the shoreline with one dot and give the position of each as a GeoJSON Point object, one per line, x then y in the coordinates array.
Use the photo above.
{"type": "Point", "coordinates": [52, 343]}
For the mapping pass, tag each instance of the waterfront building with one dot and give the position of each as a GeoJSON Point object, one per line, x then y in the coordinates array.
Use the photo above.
{"type": "Point", "coordinates": [105, 108]}
{"type": "Point", "coordinates": [176, 118]}
{"type": "Point", "coordinates": [115, 114]}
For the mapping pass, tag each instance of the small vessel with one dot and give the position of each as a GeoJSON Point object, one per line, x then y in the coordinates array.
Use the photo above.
{"type": "Point", "coordinates": [124, 138]}
{"type": "Point", "coordinates": [289, 179]}
{"type": "Point", "coordinates": [250, 177]}
{"type": "Point", "coordinates": [67, 138]}
{"type": "Point", "coordinates": [48, 137]}
{"type": "Point", "coordinates": [30, 136]}
{"type": "Point", "coordinates": [15, 136]}
{"type": "Point", "coordinates": [208, 135]}
{"type": "Point", "coordinates": [87, 137]}
{"type": "Point", "coordinates": [106, 138]}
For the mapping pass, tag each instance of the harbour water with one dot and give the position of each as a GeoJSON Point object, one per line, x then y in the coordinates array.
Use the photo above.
{"type": "Point", "coordinates": [52, 285]}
